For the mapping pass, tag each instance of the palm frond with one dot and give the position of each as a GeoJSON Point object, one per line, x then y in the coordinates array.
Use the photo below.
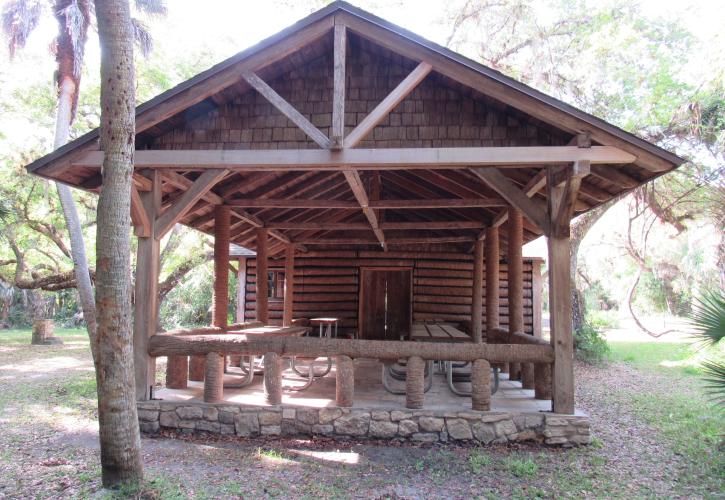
{"type": "Point", "coordinates": [152, 7]}
{"type": "Point", "coordinates": [142, 36]}
{"type": "Point", "coordinates": [708, 318]}
{"type": "Point", "coordinates": [4, 211]}
{"type": "Point", "coordinates": [75, 18]}
{"type": "Point", "coordinates": [19, 19]}
{"type": "Point", "coordinates": [714, 380]}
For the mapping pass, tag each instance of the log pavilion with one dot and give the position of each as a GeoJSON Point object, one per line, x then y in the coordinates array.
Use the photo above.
{"type": "Point", "coordinates": [383, 180]}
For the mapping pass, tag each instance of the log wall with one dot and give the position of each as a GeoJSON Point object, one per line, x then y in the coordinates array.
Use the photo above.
{"type": "Point", "coordinates": [327, 284]}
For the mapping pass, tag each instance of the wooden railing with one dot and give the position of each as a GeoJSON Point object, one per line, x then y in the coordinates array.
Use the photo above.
{"type": "Point", "coordinates": [214, 342]}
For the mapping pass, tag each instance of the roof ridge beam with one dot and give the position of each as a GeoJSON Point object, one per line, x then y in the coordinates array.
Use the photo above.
{"type": "Point", "coordinates": [286, 109]}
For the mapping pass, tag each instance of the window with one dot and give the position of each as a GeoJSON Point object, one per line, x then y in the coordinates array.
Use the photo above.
{"type": "Point", "coordinates": [275, 284]}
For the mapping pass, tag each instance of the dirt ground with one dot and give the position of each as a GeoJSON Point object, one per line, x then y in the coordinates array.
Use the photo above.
{"type": "Point", "coordinates": [650, 440]}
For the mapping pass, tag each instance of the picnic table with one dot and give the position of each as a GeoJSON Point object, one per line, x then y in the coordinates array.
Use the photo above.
{"type": "Point", "coordinates": [273, 331]}
{"type": "Point", "coordinates": [438, 332]}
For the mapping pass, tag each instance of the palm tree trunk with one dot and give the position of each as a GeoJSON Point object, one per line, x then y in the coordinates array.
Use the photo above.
{"type": "Point", "coordinates": [117, 415]}
{"type": "Point", "coordinates": [66, 92]}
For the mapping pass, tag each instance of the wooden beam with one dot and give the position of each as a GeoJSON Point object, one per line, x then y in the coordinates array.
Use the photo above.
{"type": "Point", "coordinates": [389, 241]}
{"type": "Point", "coordinates": [289, 285]}
{"type": "Point", "coordinates": [356, 184]}
{"type": "Point", "coordinates": [337, 131]}
{"type": "Point", "coordinates": [145, 317]}
{"type": "Point", "coordinates": [364, 159]}
{"type": "Point", "coordinates": [292, 203]}
{"type": "Point", "coordinates": [438, 203]}
{"type": "Point", "coordinates": [139, 216]}
{"type": "Point", "coordinates": [287, 109]}
{"type": "Point", "coordinates": [533, 210]}
{"type": "Point", "coordinates": [387, 105]}
{"type": "Point", "coordinates": [198, 189]}
{"type": "Point", "coordinates": [164, 345]}
{"type": "Point", "coordinates": [611, 174]}
{"type": "Point", "coordinates": [497, 86]}
{"type": "Point", "coordinates": [565, 210]}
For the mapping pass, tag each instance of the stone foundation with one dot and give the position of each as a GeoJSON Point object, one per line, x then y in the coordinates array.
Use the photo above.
{"type": "Point", "coordinates": [414, 425]}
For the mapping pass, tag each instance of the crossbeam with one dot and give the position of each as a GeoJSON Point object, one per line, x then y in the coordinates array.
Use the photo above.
{"type": "Point", "coordinates": [365, 159]}
{"type": "Point", "coordinates": [341, 226]}
{"type": "Point", "coordinates": [358, 189]}
{"type": "Point", "coordinates": [376, 204]}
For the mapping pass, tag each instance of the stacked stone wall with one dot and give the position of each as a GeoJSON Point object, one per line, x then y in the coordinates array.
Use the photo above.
{"type": "Point", "coordinates": [428, 426]}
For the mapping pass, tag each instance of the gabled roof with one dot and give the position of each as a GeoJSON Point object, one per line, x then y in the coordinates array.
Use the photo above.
{"type": "Point", "coordinates": [341, 6]}
{"type": "Point", "coordinates": [303, 42]}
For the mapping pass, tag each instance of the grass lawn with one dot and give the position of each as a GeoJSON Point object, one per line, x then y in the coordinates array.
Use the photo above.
{"type": "Point", "coordinates": [655, 435]}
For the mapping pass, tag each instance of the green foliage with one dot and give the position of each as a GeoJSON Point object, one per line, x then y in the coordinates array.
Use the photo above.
{"type": "Point", "coordinates": [589, 345]}
{"type": "Point", "coordinates": [479, 461]}
{"type": "Point", "coordinates": [521, 466]}
{"type": "Point", "coordinates": [708, 320]}
{"type": "Point", "coordinates": [602, 320]}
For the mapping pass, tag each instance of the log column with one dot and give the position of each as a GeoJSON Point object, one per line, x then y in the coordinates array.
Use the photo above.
{"type": "Point", "coordinates": [241, 289]}
{"type": "Point", "coordinates": [262, 288]}
{"type": "Point", "coordinates": [289, 285]}
{"type": "Point", "coordinates": [415, 382]}
{"type": "Point", "coordinates": [273, 378]}
{"type": "Point", "coordinates": [481, 385]}
{"type": "Point", "coordinates": [491, 255]}
{"type": "Point", "coordinates": [515, 280]}
{"type": "Point", "coordinates": [344, 380]}
{"type": "Point", "coordinates": [476, 305]}
{"type": "Point", "coordinates": [146, 294]}
{"type": "Point", "coordinates": [214, 372]}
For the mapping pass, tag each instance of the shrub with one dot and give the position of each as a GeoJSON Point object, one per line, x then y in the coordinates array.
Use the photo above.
{"type": "Point", "coordinates": [589, 345]}
{"type": "Point", "coordinates": [603, 320]}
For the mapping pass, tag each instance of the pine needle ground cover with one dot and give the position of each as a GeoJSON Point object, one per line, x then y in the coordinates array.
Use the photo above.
{"type": "Point", "coordinates": [655, 434]}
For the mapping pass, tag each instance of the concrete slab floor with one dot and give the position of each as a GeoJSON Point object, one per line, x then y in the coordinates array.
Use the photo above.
{"type": "Point", "coordinates": [369, 392]}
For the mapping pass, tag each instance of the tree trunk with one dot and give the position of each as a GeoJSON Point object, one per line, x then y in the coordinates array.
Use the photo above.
{"type": "Point", "coordinates": [579, 229]}
{"type": "Point", "coordinates": [68, 77]}
{"type": "Point", "coordinates": [117, 414]}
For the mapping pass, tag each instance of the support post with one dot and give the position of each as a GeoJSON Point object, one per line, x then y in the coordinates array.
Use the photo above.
{"type": "Point", "coordinates": [262, 287]}
{"type": "Point", "coordinates": [491, 255]}
{"type": "Point", "coordinates": [214, 378]}
{"type": "Point", "coordinates": [177, 372]}
{"type": "Point", "coordinates": [344, 381]}
{"type": "Point", "coordinates": [476, 300]}
{"type": "Point", "coordinates": [559, 247]}
{"type": "Point", "coordinates": [414, 382]}
{"type": "Point", "coordinates": [241, 289]}
{"type": "Point", "coordinates": [542, 381]}
{"type": "Point", "coordinates": [515, 280]}
{"type": "Point", "coordinates": [214, 370]}
{"type": "Point", "coordinates": [481, 385]}
{"type": "Point", "coordinates": [146, 294]}
{"type": "Point", "coordinates": [273, 378]}
{"type": "Point", "coordinates": [289, 285]}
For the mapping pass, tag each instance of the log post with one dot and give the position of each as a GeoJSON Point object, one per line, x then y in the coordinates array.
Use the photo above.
{"type": "Point", "coordinates": [42, 330]}
{"type": "Point", "coordinates": [542, 380]}
{"type": "Point", "coordinates": [177, 372]}
{"type": "Point", "coordinates": [345, 381]}
{"type": "Point", "coordinates": [289, 285]}
{"type": "Point", "coordinates": [515, 280]}
{"type": "Point", "coordinates": [481, 385]}
{"type": "Point", "coordinates": [414, 382]}
{"type": "Point", "coordinates": [491, 255]}
{"type": "Point", "coordinates": [214, 378]}
{"type": "Point", "coordinates": [262, 287]}
{"type": "Point", "coordinates": [476, 304]}
{"type": "Point", "coordinates": [273, 378]}
{"type": "Point", "coordinates": [146, 293]}
{"type": "Point", "coordinates": [214, 371]}
{"type": "Point", "coordinates": [559, 247]}
{"type": "Point", "coordinates": [241, 289]}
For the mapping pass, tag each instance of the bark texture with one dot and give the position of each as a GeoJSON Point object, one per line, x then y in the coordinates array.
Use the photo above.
{"type": "Point", "coordinates": [117, 415]}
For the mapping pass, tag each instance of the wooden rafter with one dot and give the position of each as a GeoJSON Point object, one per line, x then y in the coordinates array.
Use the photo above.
{"type": "Point", "coordinates": [286, 109]}
{"type": "Point", "coordinates": [340, 226]}
{"type": "Point", "coordinates": [358, 189]}
{"type": "Point", "coordinates": [387, 105]}
{"type": "Point", "coordinates": [365, 159]}
{"type": "Point", "coordinates": [196, 192]}
{"type": "Point", "coordinates": [375, 204]}
{"type": "Point", "coordinates": [532, 209]}
{"type": "Point", "coordinates": [391, 241]}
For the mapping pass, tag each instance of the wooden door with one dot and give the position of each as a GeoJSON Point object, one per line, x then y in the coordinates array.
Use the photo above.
{"type": "Point", "coordinates": [385, 304]}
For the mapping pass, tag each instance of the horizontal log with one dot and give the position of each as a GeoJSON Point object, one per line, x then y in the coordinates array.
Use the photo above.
{"type": "Point", "coordinates": [364, 159]}
{"type": "Point", "coordinates": [169, 345]}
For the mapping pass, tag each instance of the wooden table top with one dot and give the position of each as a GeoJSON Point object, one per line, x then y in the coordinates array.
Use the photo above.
{"type": "Point", "coordinates": [324, 320]}
{"type": "Point", "coordinates": [438, 332]}
{"type": "Point", "coordinates": [273, 331]}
